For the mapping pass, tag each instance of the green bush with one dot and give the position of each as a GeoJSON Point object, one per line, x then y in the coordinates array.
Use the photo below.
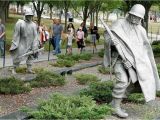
{"type": "Point", "coordinates": [12, 85]}
{"type": "Point", "coordinates": [46, 78]}
{"type": "Point", "coordinates": [72, 107]}
{"type": "Point", "coordinates": [85, 56]}
{"type": "Point", "coordinates": [64, 63]}
{"type": "Point", "coordinates": [100, 91]}
{"type": "Point", "coordinates": [158, 68]}
{"type": "Point", "coordinates": [156, 50]}
{"type": "Point", "coordinates": [21, 69]}
{"type": "Point", "coordinates": [156, 43]}
{"type": "Point", "coordinates": [136, 98]}
{"type": "Point", "coordinates": [86, 78]}
{"type": "Point", "coordinates": [70, 60]}
{"type": "Point", "coordinates": [101, 53]}
{"type": "Point", "coordinates": [104, 70]}
{"type": "Point", "coordinates": [158, 94]}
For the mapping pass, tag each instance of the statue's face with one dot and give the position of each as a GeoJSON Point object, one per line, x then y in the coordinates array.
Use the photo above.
{"type": "Point", "coordinates": [134, 19]}
{"type": "Point", "coordinates": [28, 18]}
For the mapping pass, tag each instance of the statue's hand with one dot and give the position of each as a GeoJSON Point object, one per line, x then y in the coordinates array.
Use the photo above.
{"type": "Point", "coordinates": [35, 55]}
{"type": "Point", "coordinates": [127, 64]}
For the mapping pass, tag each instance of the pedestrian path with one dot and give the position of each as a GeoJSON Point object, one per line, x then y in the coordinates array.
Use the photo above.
{"type": "Point", "coordinates": [44, 56]}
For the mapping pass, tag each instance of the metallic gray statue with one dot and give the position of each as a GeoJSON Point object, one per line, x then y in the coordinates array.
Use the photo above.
{"type": "Point", "coordinates": [24, 40]}
{"type": "Point", "coordinates": [132, 58]}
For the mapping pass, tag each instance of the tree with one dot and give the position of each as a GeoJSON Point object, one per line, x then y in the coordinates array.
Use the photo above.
{"type": "Point", "coordinates": [109, 6]}
{"type": "Point", "coordinates": [87, 6]}
{"type": "Point", "coordinates": [39, 6]}
{"type": "Point", "coordinates": [3, 10]}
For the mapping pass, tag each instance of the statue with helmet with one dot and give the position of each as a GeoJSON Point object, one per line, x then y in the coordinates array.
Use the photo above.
{"type": "Point", "coordinates": [25, 39]}
{"type": "Point", "coordinates": [131, 50]}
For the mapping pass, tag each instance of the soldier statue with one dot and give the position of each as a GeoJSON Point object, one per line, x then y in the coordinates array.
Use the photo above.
{"type": "Point", "coordinates": [25, 39]}
{"type": "Point", "coordinates": [132, 59]}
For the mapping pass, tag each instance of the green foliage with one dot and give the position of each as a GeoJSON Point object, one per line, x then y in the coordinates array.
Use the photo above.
{"type": "Point", "coordinates": [158, 68]}
{"type": "Point", "coordinates": [71, 107]}
{"type": "Point", "coordinates": [156, 43]}
{"type": "Point", "coordinates": [86, 78]}
{"type": "Point", "coordinates": [158, 94]}
{"type": "Point", "coordinates": [156, 50]}
{"type": "Point", "coordinates": [63, 62]}
{"type": "Point", "coordinates": [104, 70]}
{"type": "Point", "coordinates": [100, 91]}
{"type": "Point", "coordinates": [12, 85]}
{"type": "Point", "coordinates": [21, 69]}
{"type": "Point", "coordinates": [85, 56]}
{"type": "Point", "coordinates": [101, 53]}
{"type": "Point", "coordinates": [46, 78]}
{"type": "Point", "coordinates": [136, 98]}
{"type": "Point", "coordinates": [70, 60]}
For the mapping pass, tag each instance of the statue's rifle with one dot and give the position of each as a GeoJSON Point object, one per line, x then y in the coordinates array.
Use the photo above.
{"type": "Point", "coordinates": [31, 52]}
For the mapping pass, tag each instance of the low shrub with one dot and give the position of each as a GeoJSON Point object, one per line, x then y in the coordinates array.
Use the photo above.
{"type": "Point", "coordinates": [12, 85]}
{"type": "Point", "coordinates": [104, 70]}
{"type": "Point", "coordinates": [21, 69]}
{"type": "Point", "coordinates": [70, 60]}
{"type": "Point", "coordinates": [158, 68]}
{"type": "Point", "coordinates": [101, 53]}
{"type": "Point", "coordinates": [64, 63]}
{"type": "Point", "coordinates": [158, 94]}
{"type": "Point", "coordinates": [85, 56]}
{"type": "Point", "coordinates": [100, 91]}
{"type": "Point", "coordinates": [136, 98]}
{"type": "Point", "coordinates": [156, 50]}
{"type": "Point", "coordinates": [46, 78]}
{"type": "Point", "coordinates": [72, 107]}
{"type": "Point", "coordinates": [86, 78]}
{"type": "Point", "coordinates": [156, 43]}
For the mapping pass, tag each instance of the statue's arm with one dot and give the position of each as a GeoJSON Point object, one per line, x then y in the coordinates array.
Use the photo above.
{"type": "Point", "coordinates": [16, 36]}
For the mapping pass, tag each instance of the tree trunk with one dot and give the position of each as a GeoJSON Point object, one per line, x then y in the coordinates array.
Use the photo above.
{"type": "Point", "coordinates": [93, 18]}
{"type": "Point", "coordinates": [2, 15]}
{"type": "Point", "coordinates": [39, 18]}
{"type": "Point", "coordinates": [97, 18]}
{"type": "Point", "coordinates": [17, 7]}
{"type": "Point", "coordinates": [51, 12]}
{"type": "Point", "coordinates": [22, 9]}
{"type": "Point", "coordinates": [85, 15]}
{"type": "Point", "coordinates": [65, 28]}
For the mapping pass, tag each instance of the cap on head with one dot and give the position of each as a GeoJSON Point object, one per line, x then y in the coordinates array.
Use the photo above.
{"type": "Point", "coordinates": [137, 10]}
{"type": "Point", "coordinates": [28, 12]}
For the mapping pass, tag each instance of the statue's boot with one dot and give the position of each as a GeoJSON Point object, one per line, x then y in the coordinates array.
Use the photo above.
{"type": "Point", "coordinates": [14, 71]}
{"type": "Point", "coordinates": [118, 111]}
{"type": "Point", "coordinates": [29, 70]}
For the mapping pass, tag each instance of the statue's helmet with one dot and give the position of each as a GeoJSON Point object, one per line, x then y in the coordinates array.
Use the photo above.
{"type": "Point", "coordinates": [138, 10]}
{"type": "Point", "coordinates": [28, 12]}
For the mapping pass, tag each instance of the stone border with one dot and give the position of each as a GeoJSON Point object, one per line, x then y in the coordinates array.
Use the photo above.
{"type": "Point", "coordinates": [18, 115]}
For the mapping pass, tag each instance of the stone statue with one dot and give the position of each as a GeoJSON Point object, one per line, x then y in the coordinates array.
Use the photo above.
{"type": "Point", "coordinates": [25, 39]}
{"type": "Point", "coordinates": [131, 51]}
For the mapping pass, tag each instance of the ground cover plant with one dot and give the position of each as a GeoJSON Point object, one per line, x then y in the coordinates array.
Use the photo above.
{"type": "Point", "coordinates": [70, 60]}
{"type": "Point", "coordinates": [136, 98]}
{"type": "Point", "coordinates": [12, 85]}
{"type": "Point", "coordinates": [59, 106]}
{"type": "Point", "coordinates": [46, 79]}
{"type": "Point", "coordinates": [86, 78]}
{"type": "Point", "coordinates": [104, 70]}
{"type": "Point", "coordinates": [100, 91]}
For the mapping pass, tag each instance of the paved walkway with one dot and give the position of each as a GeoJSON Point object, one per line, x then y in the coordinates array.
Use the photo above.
{"type": "Point", "coordinates": [44, 56]}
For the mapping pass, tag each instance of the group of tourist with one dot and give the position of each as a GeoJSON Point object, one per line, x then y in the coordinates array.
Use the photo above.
{"type": "Point", "coordinates": [80, 35]}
